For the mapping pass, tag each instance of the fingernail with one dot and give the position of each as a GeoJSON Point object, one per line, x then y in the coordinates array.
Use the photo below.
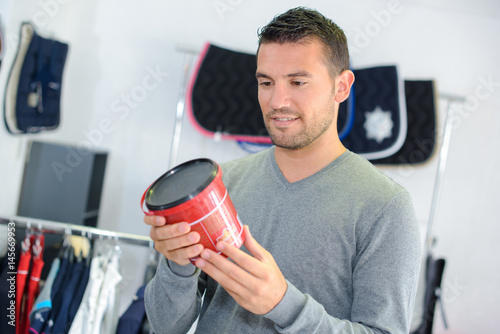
{"type": "Point", "coordinates": [200, 263]}
{"type": "Point", "coordinates": [183, 228]}
{"type": "Point", "coordinates": [205, 254]}
{"type": "Point", "coordinates": [221, 246]}
{"type": "Point", "coordinates": [193, 237]}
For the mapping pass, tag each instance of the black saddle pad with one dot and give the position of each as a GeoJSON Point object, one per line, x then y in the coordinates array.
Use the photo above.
{"type": "Point", "coordinates": [221, 98]}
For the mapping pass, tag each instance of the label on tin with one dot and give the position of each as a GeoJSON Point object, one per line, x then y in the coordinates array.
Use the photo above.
{"type": "Point", "coordinates": [221, 224]}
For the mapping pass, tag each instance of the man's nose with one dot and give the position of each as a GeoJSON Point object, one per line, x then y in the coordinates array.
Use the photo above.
{"type": "Point", "coordinates": [280, 97]}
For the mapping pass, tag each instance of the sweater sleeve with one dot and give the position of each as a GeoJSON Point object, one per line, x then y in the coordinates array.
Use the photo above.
{"type": "Point", "coordinates": [172, 298]}
{"type": "Point", "coordinates": [385, 277]}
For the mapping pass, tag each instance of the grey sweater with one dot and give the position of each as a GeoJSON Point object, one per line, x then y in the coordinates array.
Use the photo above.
{"type": "Point", "coordinates": [346, 239]}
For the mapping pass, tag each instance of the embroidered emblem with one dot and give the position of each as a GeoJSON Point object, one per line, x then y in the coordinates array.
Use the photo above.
{"type": "Point", "coordinates": [378, 124]}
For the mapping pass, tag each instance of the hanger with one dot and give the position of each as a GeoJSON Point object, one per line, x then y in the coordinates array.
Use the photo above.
{"type": "Point", "coordinates": [38, 244]}
{"type": "Point", "coordinates": [89, 251]}
{"type": "Point", "coordinates": [65, 243]}
{"type": "Point", "coordinates": [26, 243]}
{"type": "Point", "coordinates": [113, 247]}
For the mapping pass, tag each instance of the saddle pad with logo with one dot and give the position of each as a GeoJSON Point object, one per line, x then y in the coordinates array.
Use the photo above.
{"type": "Point", "coordinates": [420, 139]}
{"type": "Point", "coordinates": [221, 97]}
{"type": "Point", "coordinates": [379, 123]}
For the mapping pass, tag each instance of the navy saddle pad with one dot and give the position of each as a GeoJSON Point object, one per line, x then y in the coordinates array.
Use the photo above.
{"type": "Point", "coordinates": [379, 122]}
{"type": "Point", "coordinates": [420, 141]}
{"type": "Point", "coordinates": [32, 101]}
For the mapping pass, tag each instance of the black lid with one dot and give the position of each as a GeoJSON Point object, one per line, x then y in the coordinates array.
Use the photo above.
{"type": "Point", "coordinates": [180, 184]}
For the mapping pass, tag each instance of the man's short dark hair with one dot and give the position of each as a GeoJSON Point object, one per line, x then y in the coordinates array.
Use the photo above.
{"type": "Point", "coordinates": [301, 25]}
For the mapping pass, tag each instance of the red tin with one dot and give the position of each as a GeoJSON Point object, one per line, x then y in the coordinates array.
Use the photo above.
{"type": "Point", "coordinates": [193, 192]}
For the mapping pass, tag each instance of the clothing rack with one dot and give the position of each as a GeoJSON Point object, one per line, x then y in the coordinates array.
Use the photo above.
{"type": "Point", "coordinates": [453, 102]}
{"type": "Point", "coordinates": [47, 226]}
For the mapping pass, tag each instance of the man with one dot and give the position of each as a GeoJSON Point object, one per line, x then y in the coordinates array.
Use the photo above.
{"type": "Point", "coordinates": [332, 244]}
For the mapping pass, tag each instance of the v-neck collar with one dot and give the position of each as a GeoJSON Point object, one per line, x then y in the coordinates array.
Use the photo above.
{"type": "Point", "coordinates": [318, 174]}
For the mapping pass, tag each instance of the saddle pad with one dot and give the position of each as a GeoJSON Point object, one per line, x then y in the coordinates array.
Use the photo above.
{"type": "Point", "coordinates": [221, 97]}
{"type": "Point", "coordinates": [32, 100]}
{"type": "Point", "coordinates": [379, 126]}
{"type": "Point", "coordinates": [420, 139]}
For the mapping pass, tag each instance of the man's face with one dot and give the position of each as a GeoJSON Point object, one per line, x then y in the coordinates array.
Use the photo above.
{"type": "Point", "coordinates": [296, 93]}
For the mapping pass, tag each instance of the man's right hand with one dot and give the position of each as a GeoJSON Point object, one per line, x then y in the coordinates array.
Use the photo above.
{"type": "Point", "coordinates": [175, 241]}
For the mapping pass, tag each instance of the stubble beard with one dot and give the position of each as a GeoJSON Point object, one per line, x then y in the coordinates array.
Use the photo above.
{"type": "Point", "coordinates": [284, 139]}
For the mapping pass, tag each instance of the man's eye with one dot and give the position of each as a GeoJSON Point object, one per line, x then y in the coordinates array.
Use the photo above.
{"type": "Point", "coordinates": [298, 83]}
{"type": "Point", "coordinates": [265, 83]}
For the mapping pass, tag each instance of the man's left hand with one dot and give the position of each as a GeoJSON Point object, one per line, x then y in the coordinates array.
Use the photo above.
{"type": "Point", "coordinates": [255, 282]}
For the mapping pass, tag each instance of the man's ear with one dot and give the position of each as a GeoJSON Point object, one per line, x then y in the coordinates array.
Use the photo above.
{"type": "Point", "coordinates": [343, 85]}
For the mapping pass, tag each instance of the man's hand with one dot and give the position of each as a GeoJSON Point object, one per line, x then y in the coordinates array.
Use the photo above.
{"type": "Point", "coordinates": [175, 241]}
{"type": "Point", "coordinates": [256, 283]}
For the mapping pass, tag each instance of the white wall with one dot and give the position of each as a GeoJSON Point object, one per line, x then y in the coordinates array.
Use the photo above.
{"type": "Point", "coordinates": [115, 44]}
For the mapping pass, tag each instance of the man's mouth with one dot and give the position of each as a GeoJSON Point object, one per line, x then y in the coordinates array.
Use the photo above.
{"type": "Point", "coordinates": [283, 119]}
{"type": "Point", "coordinates": [283, 122]}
